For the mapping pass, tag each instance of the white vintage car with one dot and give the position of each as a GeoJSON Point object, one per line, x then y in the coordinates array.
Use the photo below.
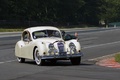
{"type": "Point", "coordinates": [46, 43]}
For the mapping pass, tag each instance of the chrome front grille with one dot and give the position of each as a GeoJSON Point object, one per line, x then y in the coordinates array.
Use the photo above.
{"type": "Point", "coordinates": [60, 47]}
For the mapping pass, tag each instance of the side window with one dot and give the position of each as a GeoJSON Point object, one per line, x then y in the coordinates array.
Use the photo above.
{"type": "Point", "coordinates": [26, 36]}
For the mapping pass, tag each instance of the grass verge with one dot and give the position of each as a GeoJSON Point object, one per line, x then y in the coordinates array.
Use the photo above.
{"type": "Point", "coordinates": [10, 30]}
{"type": "Point", "coordinates": [117, 57]}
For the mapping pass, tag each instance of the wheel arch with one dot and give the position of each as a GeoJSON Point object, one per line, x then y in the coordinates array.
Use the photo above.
{"type": "Point", "coordinates": [34, 51]}
{"type": "Point", "coordinates": [41, 48]}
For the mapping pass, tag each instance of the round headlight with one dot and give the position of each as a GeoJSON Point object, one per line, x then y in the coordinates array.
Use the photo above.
{"type": "Point", "coordinates": [51, 46]}
{"type": "Point", "coordinates": [72, 45]}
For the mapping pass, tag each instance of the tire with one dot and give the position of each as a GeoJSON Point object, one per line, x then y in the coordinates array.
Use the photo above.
{"type": "Point", "coordinates": [76, 60]}
{"type": "Point", "coordinates": [37, 58]}
{"type": "Point", "coordinates": [21, 60]}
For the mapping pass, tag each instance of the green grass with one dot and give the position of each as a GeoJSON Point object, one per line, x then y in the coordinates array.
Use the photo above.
{"type": "Point", "coordinates": [117, 57]}
{"type": "Point", "coordinates": [10, 30]}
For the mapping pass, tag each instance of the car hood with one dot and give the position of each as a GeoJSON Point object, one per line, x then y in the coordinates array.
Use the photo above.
{"type": "Point", "coordinates": [57, 42]}
{"type": "Point", "coordinates": [49, 40]}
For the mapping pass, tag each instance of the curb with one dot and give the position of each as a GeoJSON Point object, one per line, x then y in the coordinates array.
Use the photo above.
{"type": "Point", "coordinates": [101, 58]}
{"type": "Point", "coordinates": [109, 62]}
{"type": "Point", "coordinates": [106, 61]}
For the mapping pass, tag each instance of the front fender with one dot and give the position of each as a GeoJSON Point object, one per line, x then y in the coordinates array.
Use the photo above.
{"type": "Point", "coordinates": [76, 43]}
{"type": "Point", "coordinates": [41, 47]}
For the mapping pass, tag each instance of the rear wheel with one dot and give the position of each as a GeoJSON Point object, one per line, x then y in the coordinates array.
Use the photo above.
{"type": "Point", "coordinates": [76, 60]}
{"type": "Point", "coordinates": [21, 60]}
{"type": "Point", "coordinates": [37, 58]}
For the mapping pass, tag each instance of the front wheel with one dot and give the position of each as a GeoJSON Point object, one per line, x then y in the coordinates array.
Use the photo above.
{"type": "Point", "coordinates": [21, 60]}
{"type": "Point", "coordinates": [76, 60]}
{"type": "Point", "coordinates": [37, 57]}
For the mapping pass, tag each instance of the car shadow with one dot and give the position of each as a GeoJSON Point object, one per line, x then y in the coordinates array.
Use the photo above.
{"type": "Point", "coordinates": [61, 63]}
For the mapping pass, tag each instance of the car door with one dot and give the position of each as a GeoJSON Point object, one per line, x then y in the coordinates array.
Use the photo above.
{"type": "Point", "coordinates": [25, 50]}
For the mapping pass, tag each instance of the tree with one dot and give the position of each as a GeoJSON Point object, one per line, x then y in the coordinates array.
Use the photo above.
{"type": "Point", "coordinates": [61, 11]}
{"type": "Point", "coordinates": [109, 10]}
{"type": "Point", "coordinates": [67, 10]}
{"type": "Point", "coordinates": [4, 5]}
{"type": "Point", "coordinates": [88, 13]}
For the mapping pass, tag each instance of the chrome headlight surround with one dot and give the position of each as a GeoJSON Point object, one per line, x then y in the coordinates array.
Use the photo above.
{"type": "Point", "coordinates": [51, 46]}
{"type": "Point", "coordinates": [52, 49]}
{"type": "Point", "coordinates": [72, 46]}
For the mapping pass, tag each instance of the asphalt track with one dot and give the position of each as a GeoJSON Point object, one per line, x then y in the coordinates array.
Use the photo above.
{"type": "Point", "coordinates": [95, 43]}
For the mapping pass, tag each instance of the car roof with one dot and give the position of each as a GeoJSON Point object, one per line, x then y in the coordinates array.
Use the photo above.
{"type": "Point", "coordinates": [37, 28]}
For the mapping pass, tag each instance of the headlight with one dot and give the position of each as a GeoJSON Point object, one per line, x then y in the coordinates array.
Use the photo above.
{"type": "Point", "coordinates": [51, 46]}
{"type": "Point", "coordinates": [72, 45]}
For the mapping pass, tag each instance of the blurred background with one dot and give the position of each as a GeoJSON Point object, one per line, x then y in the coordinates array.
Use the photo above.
{"type": "Point", "coordinates": [61, 13]}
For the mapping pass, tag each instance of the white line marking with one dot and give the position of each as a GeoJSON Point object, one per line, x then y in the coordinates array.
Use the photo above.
{"type": "Point", "coordinates": [2, 36]}
{"type": "Point", "coordinates": [102, 57]}
{"type": "Point", "coordinates": [7, 61]}
{"type": "Point", "coordinates": [101, 45]}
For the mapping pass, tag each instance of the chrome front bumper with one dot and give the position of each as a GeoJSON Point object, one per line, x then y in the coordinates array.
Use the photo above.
{"type": "Point", "coordinates": [62, 56]}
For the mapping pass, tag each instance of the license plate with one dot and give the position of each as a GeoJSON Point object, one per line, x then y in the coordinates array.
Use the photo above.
{"type": "Point", "coordinates": [62, 54]}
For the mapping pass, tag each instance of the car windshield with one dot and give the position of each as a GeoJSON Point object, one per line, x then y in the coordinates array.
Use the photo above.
{"type": "Point", "coordinates": [46, 33]}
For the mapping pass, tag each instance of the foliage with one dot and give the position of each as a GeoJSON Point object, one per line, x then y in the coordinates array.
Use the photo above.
{"type": "Point", "coordinates": [70, 12]}
{"type": "Point", "coordinates": [117, 57]}
{"type": "Point", "coordinates": [109, 10]}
